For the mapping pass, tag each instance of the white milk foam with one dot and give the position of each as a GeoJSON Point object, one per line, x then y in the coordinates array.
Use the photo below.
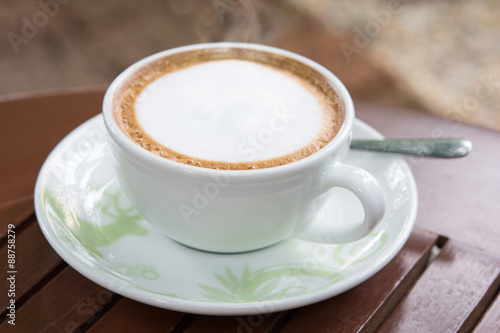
{"type": "Point", "coordinates": [229, 111]}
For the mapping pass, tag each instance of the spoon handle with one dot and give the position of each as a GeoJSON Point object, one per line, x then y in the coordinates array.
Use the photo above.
{"type": "Point", "coordinates": [443, 147]}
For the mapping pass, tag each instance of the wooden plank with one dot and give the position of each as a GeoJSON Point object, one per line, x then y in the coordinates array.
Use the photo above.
{"type": "Point", "coordinates": [67, 302]}
{"type": "Point", "coordinates": [245, 324]}
{"type": "Point", "coordinates": [29, 130]}
{"type": "Point", "coordinates": [451, 295]}
{"type": "Point", "coordinates": [471, 215]}
{"type": "Point", "coordinates": [15, 212]}
{"type": "Point", "coordinates": [490, 323]}
{"type": "Point", "coordinates": [364, 307]}
{"type": "Point", "coordinates": [35, 260]}
{"type": "Point", "coordinates": [131, 316]}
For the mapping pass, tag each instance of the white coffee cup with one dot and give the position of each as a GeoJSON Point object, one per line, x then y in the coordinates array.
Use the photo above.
{"type": "Point", "coordinates": [242, 210]}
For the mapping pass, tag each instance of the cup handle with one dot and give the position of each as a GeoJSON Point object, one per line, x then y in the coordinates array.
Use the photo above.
{"type": "Point", "coordinates": [368, 190]}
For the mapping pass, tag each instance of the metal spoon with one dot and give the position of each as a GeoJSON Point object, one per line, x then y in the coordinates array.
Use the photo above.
{"type": "Point", "coordinates": [442, 147]}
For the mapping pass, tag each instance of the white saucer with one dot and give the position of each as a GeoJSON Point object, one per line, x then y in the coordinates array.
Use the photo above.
{"type": "Point", "coordinates": [92, 226]}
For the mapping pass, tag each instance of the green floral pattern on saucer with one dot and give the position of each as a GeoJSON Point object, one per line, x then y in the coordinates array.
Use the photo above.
{"type": "Point", "coordinates": [357, 252]}
{"type": "Point", "coordinates": [93, 235]}
{"type": "Point", "coordinates": [139, 270]}
{"type": "Point", "coordinates": [269, 283]}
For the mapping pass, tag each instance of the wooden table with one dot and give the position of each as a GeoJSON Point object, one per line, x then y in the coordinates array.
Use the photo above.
{"type": "Point", "coordinates": [445, 279]}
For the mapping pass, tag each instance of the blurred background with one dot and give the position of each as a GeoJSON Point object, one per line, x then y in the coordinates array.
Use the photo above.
{"type": "Point", "coordinates": [439, 56]}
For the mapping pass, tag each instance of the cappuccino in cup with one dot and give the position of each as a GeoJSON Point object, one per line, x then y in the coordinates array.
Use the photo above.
{"type": "Point", "coordinates": [229, 147]}
{"type": "Point", "coordinates": [228, 108]}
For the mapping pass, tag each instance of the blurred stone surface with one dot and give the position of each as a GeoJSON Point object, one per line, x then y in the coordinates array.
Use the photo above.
{"type": "Point", "coordinates": [426, 55]}
{"type": "Point", "coordinates": [445, 54]}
